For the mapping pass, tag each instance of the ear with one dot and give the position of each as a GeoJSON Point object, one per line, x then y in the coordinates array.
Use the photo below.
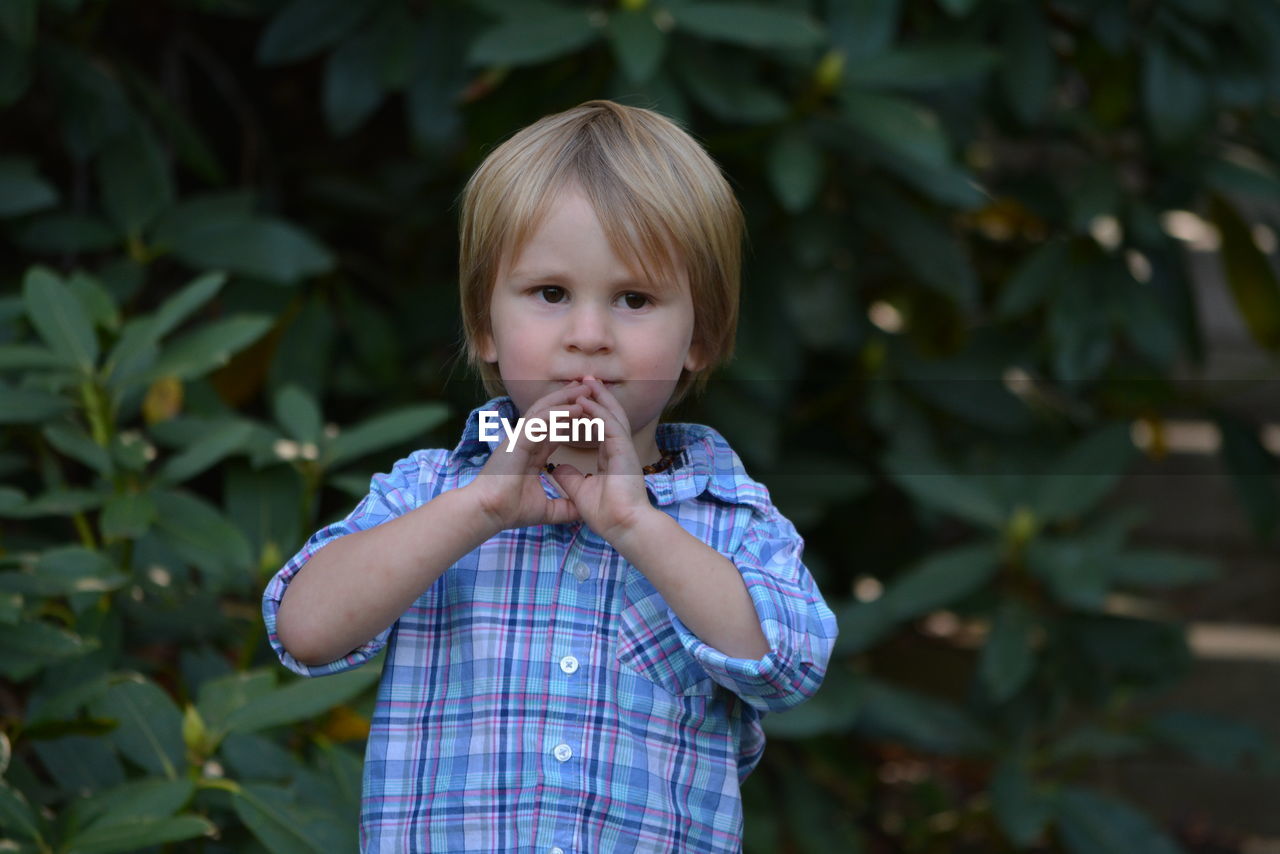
{"type": "Point", "coordinates": [485, 348]}
{"type": "Point", "coordinates": [694, 360]}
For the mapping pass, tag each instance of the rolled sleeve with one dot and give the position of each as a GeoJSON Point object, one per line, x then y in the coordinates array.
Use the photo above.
{"type": "Point", "coordinates": [390, 495]}
{"type": "Point", "coordinates": [800, 628]}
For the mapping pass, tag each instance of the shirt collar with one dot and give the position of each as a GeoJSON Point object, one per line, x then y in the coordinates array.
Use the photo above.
{"type": "Point", "coordinates": [706, 462]}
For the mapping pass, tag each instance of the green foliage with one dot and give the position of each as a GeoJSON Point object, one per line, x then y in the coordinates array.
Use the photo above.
{"type": "Point", "coordinates": [229, 298]}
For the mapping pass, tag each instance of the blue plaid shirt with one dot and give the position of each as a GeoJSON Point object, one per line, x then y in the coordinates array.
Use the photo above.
{"type": "Point", "coordinates": [541, 696]}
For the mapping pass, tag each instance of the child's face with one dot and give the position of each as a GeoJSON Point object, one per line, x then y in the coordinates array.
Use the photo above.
{"type": "Point", "coordinates": [567, 307]}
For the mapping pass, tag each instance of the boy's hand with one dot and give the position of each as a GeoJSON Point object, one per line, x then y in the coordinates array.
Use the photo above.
{"type": "Point", "coordinates": [509, 489]}
{"type": "Point", "coordinates": [614, 504]}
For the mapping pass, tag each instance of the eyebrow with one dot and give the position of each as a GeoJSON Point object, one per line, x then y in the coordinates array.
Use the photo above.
{"type": "Point", "coordinates": [560, 276]}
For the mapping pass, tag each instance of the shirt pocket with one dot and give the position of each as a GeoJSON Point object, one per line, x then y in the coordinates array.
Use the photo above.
{"type": "Point", "coordinates": [649, 645]}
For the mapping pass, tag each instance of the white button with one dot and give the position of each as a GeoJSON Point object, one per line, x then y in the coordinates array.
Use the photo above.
{"type": "Point", "coordinates": [569, 664]}
{"type": "Point", "coordinates": [557, 850]}
{"type": "Point", "coordinates": [563, 752]}
{"type": "Point", "coordinates": [581, 571]}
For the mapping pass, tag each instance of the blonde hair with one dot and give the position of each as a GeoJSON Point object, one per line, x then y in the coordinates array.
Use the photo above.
{"type": "Point", "coordinates": [657, 194]}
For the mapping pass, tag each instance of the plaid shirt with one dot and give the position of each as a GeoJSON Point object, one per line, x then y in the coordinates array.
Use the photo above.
{"type": "Point", "coordinates": [541, 696]}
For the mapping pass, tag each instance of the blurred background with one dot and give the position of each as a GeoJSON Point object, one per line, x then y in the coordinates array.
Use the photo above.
{"type": "Point", "coordinates": [1008, 357]}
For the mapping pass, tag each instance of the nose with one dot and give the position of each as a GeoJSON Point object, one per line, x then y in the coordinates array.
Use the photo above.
{"type": "Point", "coordinates": [588, 330]}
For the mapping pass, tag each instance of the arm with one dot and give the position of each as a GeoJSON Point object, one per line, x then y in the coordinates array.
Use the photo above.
{"type": "Point", "coordinates": [701, 585]}
{"type": "Point", "coordinates": [358, 585]}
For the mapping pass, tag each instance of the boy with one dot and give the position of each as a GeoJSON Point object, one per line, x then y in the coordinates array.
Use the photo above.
{"type": "Point", "coordinates": [575, 663]}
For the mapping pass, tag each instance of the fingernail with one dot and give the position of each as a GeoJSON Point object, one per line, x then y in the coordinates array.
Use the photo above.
{"type": "Point", "coordinates": [588, 474]}
{"type": "Point", "coordinates": [550, 467]}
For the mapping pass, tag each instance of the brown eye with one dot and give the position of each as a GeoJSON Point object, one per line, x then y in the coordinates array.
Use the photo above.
{"type": "Point", "coordinates": [634, 296]}
{"type": "Point", "coordinates": [558, 293]}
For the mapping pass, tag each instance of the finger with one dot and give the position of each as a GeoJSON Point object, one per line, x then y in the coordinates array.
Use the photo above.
{"type": "Point", "coordinates": [601, 393]}
{"type": "Point", "coordinates": [562, 510]}
{"type": "Point", "coordinates": [617, 442]}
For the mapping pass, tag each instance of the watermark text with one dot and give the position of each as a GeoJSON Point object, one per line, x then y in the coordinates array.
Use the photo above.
{"type": "Point", "coordinates": [560, 428]}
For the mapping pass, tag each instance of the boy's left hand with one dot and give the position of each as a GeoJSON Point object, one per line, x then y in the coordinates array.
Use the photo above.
{"type": "Point", "coordinates": [614, 501]}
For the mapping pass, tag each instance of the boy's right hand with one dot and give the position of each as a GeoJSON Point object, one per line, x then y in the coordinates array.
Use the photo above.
{"type": "Point", "coordinates": [509, 489]}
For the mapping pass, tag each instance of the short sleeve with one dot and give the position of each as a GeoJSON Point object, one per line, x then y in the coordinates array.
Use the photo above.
{"type": "Point", "coordinates": [409, 485]}
{"type": "Point", "coordinates": [800, 628]}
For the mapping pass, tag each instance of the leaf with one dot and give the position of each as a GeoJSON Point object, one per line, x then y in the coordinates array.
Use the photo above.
{"type": "Point", "coordinates": [1215, 741]}
{"type": "Point", "coordinates": [75, 443]}
{"type": "Point", "coordinates": [1175, 95]}
{"type": "Point", "coordinates": [896, 123]}
{"type": "Point", "coordinates": [1082, 476]}
{"type": "Point", "coordinates": [209, 347]}
{"type": "Point", "coordinates": [959, 494]}
{"type": "Point", "coordinates": [795, 170]}
{"type": "Point", "coordinates": [384, 430]}
{"type": "Point", "coordinates": [1027, 77]}
{"type": "Point", "coordinates": [134, 180]}
{"type": "Point", "coordinates": [940, 580]}
{"type": "Point", "coordinates": [1252, 468]}
{"type": "Point", "coordinates": [305, 27]}
{"type": "Point", "coordinates": [637, 43]}
{"type": "Point", "coordinates": [22, 190]}
{"type": "Point", "coordinates": [128, 515]}
{"type": "Point", "coordinates": [16, 814]}
{"type": "Point", "coordinates": [352, 83]}
{"type": "Point", "coordinates": [149, 725]}
{"type": "Point", "coordinates": [200, 534]}
{"type": "Point", "coordinates": [528, 40]}
{"type": "Point", "coordinates": [263, 247]}
{"type": "Point", "coordinates": [729, 91]}
{"type": "Point", "coordinates": [150, 798]}
{"type": "Point", "coordinates": [1089, 823]}
{"type": "Point", "coordinates": [1249, 275]}
{"type": "Point", "coordinates": [219, 442]}
{"type": "Point", "coordinates": [138, 833]}
{"type": "Point", "coordinates": [1151, 569]}
{"type": "Point", "coordinates": [32, 644]}
{"type": "Point", "coordinates": [297, 413]}
{"type": "Point", "coordinates": [66, 233]}
{"type": "Point", "coordinates": [184, 303]}
{"type": "Point", "coordinates": [832, 711]}
{"type": "Point", "coordinates": [1008, 656]}
{"type": "Point", "coordinates": [864, 28]}
{"type": "Point", "coordinates": [299, 700]}
{"type": "Point", "coordinates": [29, 406]}
{"type": "Point", "coordinates": [220, 698]}
{"type": "Point", "coordinates": [1021, 808]}
{"type": "Point", "coordinates": [893, 713]}
{"type": "Point", "coordinates": [751, 24]}
{"type": "Point", "coordinates": [64, 571]}
{"type": "Point", "coordinates": [1074, 569]}
{"type": "Point", "coordinates": [1035, 280]}
{"type": "Point", "coordinates": [60, 319]}
{"type": "Point", "coordinates": [921, 67]}
{"type": "Point", "coordinates": [282, 825]}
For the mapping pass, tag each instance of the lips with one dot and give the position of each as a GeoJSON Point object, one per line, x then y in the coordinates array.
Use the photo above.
{"type": "Point", "coordinates": [579, 379]}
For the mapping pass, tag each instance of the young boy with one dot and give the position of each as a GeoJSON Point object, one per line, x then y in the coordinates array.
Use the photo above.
{"type": "Point", "coordinates": [582, 636]}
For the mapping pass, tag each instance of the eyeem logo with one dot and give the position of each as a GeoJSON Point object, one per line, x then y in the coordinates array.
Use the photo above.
{"type": "Point", "coordinates": [537, 430]}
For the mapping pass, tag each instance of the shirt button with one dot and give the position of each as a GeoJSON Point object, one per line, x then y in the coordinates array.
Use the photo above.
{"type": "Point", "coordinates": [581, 571]}
{"type": "Point", "coordinates": [563, 752]}
{"type": "Point", "coordinates": [569, 664]}
{"type": "Point", "coordinates": [557, 850]}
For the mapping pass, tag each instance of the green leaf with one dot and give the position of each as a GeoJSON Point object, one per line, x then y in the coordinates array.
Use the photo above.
{"type": "Point", "coordinates": [128, 515]}
{"type": "Point", "coordinates": [1090, 823]}
{"type": "Point", "coordinates": [1021, 808]}
{"type": "Point", "coordinates": [528, 40]}
{"type": "Point", "coordinates": [29, 405]}
{"type": "Point", "coordinates": [149, 725]}
{"type": "Point", "coordinates": [302, 699]}
{"type": "Point", "coordinates": [1074, 569]}
{"type": "Point", "coordinates": [220, 698]}
{"type": "Point", "coordinates": [57, 502]}
{"type": "Point", "coordinates": [1029, 65]}
{"type": "Point", "coordinates": [139, 833]}
{"type": "Point", "coordinates": [834, 710]}
{"type": "Point", "coordinates": [1083, 475]}
{"type": "Point", "coordinates": [637, 43]}
{"type": "Point", "coordinates": [1008, 657]}
{"type": "Point", "coordinates": [1151, 569]}
{"type": "Point", "coordinates": [898, 124]}
{"type": "Point", "coordinates": [751, 24]}
{"type": "Point", "coordinates": [1249, 275]}
{"type": "Point", "coordinates": [17, 816]}
{"type": "Point", "coordinates": [217, 444]}
{"type": "Point", "coordinates": [795, 170]}
{"type": "Point", "coordinates": [19, 357]}
{"type": "Point", "coordinates": [1175, 95]}
{"type": "Point", "coordinates": [66, 233]}
{"type": "Point", "coordinates": [1252, 468]}
{"type": "Point", "coordinates": [297, 413]}
{"type": "Point", "coordinates": [184, 220]}
{"type": "Point", "coordinates": [134, 180]}
{"type": "Point", "coordinates": [863, 28]}
{"type": "Point", "coordinates": [353, 86]}
{"type": "Point", "coordinates": [200, 534]}
{"type": "Point", "coordinates": [384, 430]}
{"type": "Point", "coordinates": [921, 67]}
{"type": "Point", "coordinates": [1035, 280]}
{"type": "Point", "coordinates": [137, 799]}
{"type": "Point", "coordinates": [75, 443]}
{"type": "Point", "coordinates": [284, 826]}
{"type": "Point", "coordinates": [63, 571]}
{"type": "Point", "coordinates": [22, 190]}
{"type": "Point", "coordinates": [305, 27]}
{"type": "Point", "coordinates": [209, 347]}
{"type": "Point", "coordinates": [263, 247]}
{"type": "Point", "coordinates": [30, 645]}
{"type": "Point", "coordinates": [18, 21]}
{"type": "Point", "coordinates": [940, 580]}
{"type": "Point", "coordinates": [60, 319]}
{"type": "Point", "coordinates": [729, 91]}
{"type": "Point", "coordinates": [185, 303]}
{"type": "Point", "coordinates": [922, 722]}
{"type": "Point", "coordinates": [1215, 741]}
{"type": "Point", "coordinates": [959, 494]}
{"type": "Point", "coordinates": [958, 8]}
